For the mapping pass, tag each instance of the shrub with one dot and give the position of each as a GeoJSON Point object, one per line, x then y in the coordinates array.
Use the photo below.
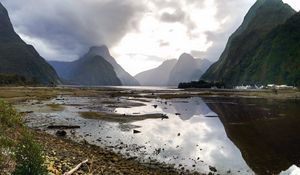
{"type": "Point", "coordinates": [9, 120]}
{"type": "Point", "coordinates": [16, 140]}
{"type": "Point", "coordinates": [9, 117]}
{"type": "Point", "coordinates": [29, 157]}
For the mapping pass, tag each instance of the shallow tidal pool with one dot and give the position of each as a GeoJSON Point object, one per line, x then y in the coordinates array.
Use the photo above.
{"type": "Point", "coordinates": [227, 135]}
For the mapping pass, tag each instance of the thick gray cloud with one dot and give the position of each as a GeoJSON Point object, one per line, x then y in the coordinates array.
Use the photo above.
{"type": "Point", "coordinates": [177, 16]}
{"type": "Point", "coordinates": [232, 11]}
{"type": "Point", "coordinates": [63, 30]}
{"type": "Point", "coordinates": [69, 27]}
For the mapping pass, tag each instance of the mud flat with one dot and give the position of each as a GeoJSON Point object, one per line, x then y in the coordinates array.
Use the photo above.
{"type": "Point", "coordinates": [63, 155]}
{"type": "Point", "coordinates": [142, 131]}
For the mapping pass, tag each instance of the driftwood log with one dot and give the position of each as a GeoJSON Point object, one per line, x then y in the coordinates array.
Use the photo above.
{"type": "Point", "coordinates": [63, 127]}
{"type": "Point", "coordinates": [76, 168]}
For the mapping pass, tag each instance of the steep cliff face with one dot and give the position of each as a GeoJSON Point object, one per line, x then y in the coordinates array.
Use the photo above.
{"type": "Point", "coordinates": [18, 58]}
{"type": "Point", "coordinates": [262, 18]}
{"type": "Point", "coordinates": [277, 59]}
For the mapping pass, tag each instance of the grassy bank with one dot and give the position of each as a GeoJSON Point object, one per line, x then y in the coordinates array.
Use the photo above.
{"type": "Point", "coordinates": [19, 153]}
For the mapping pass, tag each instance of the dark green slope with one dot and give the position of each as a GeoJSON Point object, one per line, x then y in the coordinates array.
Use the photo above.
{"type": "Point", "coordinates": [94, 70]}
{"type": "Point", "coordinates": [233, 64]}
{"type": "Point", "coordinates": [277, 59]}
{"type": "Point", "coordinates": [18, 58]}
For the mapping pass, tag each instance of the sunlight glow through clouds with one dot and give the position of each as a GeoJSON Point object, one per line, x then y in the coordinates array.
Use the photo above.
{"type": "Point", "coordinates": [168, 40]}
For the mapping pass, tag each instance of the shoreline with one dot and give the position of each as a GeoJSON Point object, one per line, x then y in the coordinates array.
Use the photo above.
{"type": "Point", "coordinates": [64, 154]}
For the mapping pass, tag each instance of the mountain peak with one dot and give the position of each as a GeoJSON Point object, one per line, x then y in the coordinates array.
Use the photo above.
{"type": "Point", "coordinates": [2, 7]}
{"type": "Point", "coordinates": [19, 58]}
{"type": "Point", "coordinates": [99, 50]}
{"type": "Point", "coordinates": [3, 14]}
{"type": "Point", "coordinates": [263, 2]}
{"type": "Point", "coordinates": [103, 51]}
{"type": "Point", "coordinates": [7, 32]}
{"type": "Point", "coordinates": [186, 56]}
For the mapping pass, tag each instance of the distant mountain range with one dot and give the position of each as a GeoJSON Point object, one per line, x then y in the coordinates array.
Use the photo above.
{"type": "Point", "coordinates": [172, 72]}
{"type": "Point", "coordinates": [97, 67]}
{"type": "Point", "coordinates": [264, 49]}
{"type": "Point", "coordinates": [158, 76]}
{"type": "Point", "coordinates": [21, 59]}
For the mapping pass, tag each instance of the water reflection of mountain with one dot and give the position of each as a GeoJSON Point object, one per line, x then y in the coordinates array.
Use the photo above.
{"type": "Point", "coordinates": [266, 131]}
{"type": "Point", "coordinates": [188, 109]}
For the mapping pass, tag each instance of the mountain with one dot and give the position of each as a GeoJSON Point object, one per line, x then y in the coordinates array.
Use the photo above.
{"type": "Point", "coordinates": [125, 77]}
{"type": "Point", "coordinates": [187, 69]}
{"type": "Point", "coordinates": [94, 70]}
{"type": "Point", "coordinates": [236, 64]}
{"type": "Point", "coordinates": [19, 58]}
{"type": "Point", "coordinates": [277, 59]}
{"type": "Point", "coordinates": [158, 76]}
{"type": "Point", "coordinates": [91, 69]}
{"type": "Point", "coordinates": [172, 72]}
{"type": "Point", "coordinates": [203, 64]}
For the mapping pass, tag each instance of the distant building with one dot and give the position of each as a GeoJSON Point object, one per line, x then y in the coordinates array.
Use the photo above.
{"type": "Point", "coordinates": [273, 86]}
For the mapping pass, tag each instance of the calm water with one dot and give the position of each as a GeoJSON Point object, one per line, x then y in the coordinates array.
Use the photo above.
{"type": "Point", "coordinates": [236, 136]}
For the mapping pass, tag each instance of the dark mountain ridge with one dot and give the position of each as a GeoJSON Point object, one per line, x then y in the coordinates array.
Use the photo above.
{"type": "Point", "coordinates": [19, 58]}
{"type": "Point", "coordinates": [233, 65]}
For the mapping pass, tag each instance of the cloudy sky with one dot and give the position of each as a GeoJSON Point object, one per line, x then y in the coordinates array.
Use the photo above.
{"type": "Point", "coordinates": [140, 33]}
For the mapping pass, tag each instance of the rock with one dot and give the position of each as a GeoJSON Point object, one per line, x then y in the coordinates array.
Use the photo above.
{"type": "Point", "coordinates": [178, 134]}
{"type": "Point", "coordinates": [61, 133]}
{"type": "Point", "coordinates": [84, 167]}
{"type": "Point", "coordinates": [136, 131]}
{"type": "Point", "coordinates": [213, 169]}
{"type": "Point", "coordinates": [155, 106]}
{"type": "Point", "coordinates": [177, 113]}
{"type": "Point", "coordinates": [64, 168]}
{"type": "Point", "coordinates": [164, 116]}
{"type": "Point", "coordinates": [115, 159]}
